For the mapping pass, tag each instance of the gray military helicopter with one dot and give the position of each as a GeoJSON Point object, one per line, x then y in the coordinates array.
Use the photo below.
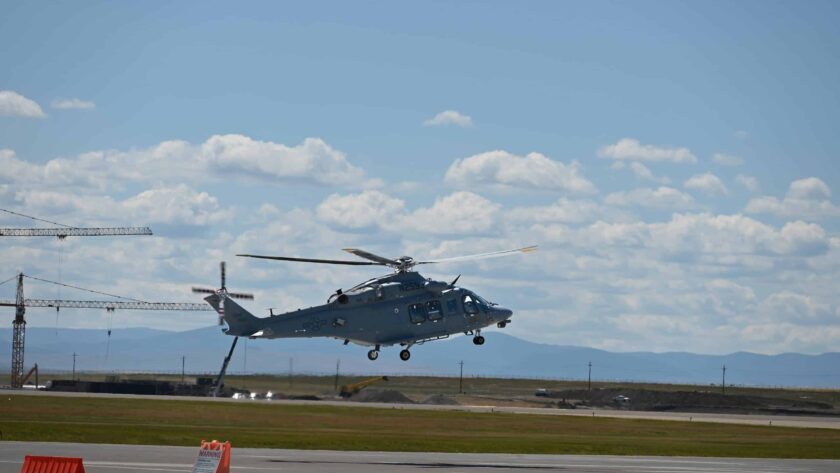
{"type": "Point", "coordinates": [402, 308]}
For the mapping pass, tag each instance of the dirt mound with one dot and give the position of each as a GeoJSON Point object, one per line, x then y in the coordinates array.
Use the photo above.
{"type": "Point", "coordinates": [441, 400]}
{"type": "Point", "coordinates": [381, 395]}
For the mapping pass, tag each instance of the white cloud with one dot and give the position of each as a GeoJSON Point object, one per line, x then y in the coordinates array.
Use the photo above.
{"type": "Point", "coordinates": [13, 104]}
{"type": "Point", "coordinates": [727, 159]}
{"type": "Point", "coordinates": [806, 198]}
{"type": "Point", "coordinates": [565, 211]}
{"type": "Point", "coordinates": [725, 287]}
{"type": "Point", "coordinates": [704, 233]}
{"type": "Point", "coordinates": [177, 205]}
{"type": "Point", "coordinates": [450, 117]}
{"type": "Point", "coordinates": [457, 213]}
{"type": "Point", "coordinates": [809, 189]}
{"type": "Point", "coordinates": [646, 324]}
{"type": "Point", "coordinates": [742, 134]}
{"type": "Point", "coordinates": [73, 103]}
{"type": "Point", "coordinates": [631, 150]}
{"type": "Point", "coordinates": [663, 197]}
{"type": "Point", "coordinates": [788, 305]}
{"type": "Point", "coordinates": [312, 160]}
{"type": "Point", "coordinates": [506, 170]}
{"type": "Point", "coordinates": [750, 182]}
{"type": "Point", "coordinates": [642, 171]}
{"type": "Point", "coordinates": [369, 208]}
{"type": "Point", "coordinates": [220, 157]}
{"type": "Point", "coordinates": [460, 213]}
{"type": "Point", "coordinates": [707, 183]}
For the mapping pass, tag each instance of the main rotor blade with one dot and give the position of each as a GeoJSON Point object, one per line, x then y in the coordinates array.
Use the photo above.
{"type": "Point", "coordinates": [222, 271]}
{"type": "Point", "coordinates": [240, 295]}
{"type": "Point", "coordinates": [494, 254]}
{"type": "Point", "coordinates": [202, 290]}
{"type": "Point", "coordinates": [367, 255]}
{"type": "Point", "coordinates": [312, 260]}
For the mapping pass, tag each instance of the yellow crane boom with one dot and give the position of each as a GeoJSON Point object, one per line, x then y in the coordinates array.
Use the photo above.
{"type": "Point", "coordinates": [350, 389]}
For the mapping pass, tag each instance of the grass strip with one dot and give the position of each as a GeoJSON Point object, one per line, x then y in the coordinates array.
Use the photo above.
{"type": "Point", "coordinates": [263, 424]}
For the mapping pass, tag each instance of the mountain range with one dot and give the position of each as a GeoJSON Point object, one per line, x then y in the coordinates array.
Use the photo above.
{"type": "Point", "coordinates": [202, 350]}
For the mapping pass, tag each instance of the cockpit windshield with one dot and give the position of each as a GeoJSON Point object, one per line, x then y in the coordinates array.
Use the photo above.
{"type": "Point", "coordinates": [481, 301]}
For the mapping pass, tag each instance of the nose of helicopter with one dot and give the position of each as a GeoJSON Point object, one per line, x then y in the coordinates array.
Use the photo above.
{"type": "Point", "coordinates": [502, 314]}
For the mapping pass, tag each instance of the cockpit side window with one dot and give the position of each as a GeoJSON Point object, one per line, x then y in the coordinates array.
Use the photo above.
{"type": "Point", "coordinates": [434, 310]}
{"type": "Point", "coordinates": [452, 306]}
{"type": "Point", "coordinates": [470, 306]}
{"type": "Point", "coordinates": [417, 313]}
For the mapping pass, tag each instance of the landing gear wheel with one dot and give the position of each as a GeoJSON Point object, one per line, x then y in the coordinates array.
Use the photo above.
{"type": "Point", "coordinates": [478, 340]}
{"type": "Point", "coordinates": [373, 355]}
{"type": "Point", "coordinates": [405, 355]}
{"type": "Point", "coordinates": [502, 324]}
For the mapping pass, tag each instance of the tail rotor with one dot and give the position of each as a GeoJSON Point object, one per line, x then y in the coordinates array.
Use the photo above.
{"type": "Point", "coordinates": [222, 292]}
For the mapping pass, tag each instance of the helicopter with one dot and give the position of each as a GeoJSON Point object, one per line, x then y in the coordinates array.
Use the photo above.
{"type": "Point", "coordinates": [401, 308]}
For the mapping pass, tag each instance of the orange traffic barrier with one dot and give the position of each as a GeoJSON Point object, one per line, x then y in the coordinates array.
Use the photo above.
{"type": "Point", "coordinates": [35, 464]}
{"type": "Point", "coordinates": [212, 452]}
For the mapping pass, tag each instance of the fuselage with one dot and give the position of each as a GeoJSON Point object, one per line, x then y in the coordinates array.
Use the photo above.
{"type": "Point", "coordinates": [403, 308]}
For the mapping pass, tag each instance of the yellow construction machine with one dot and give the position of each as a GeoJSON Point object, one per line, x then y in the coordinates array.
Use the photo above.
{"type": "Point", "coordinates": [350, 389]}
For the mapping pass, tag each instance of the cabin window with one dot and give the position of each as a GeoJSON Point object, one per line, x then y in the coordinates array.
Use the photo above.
{"type": "Point", "coordinates": [434, 310]}
{"type": "Point", "coordinates": [470, 307]}
{"type": "Point", "coordinates": [452, 306]}
{"type": "Point", "coordinates": [417, 313]}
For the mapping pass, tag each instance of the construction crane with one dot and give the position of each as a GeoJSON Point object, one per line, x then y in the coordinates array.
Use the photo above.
{"type": "Point", "coordinates": [20, 304]}
{"type": "Point", "coordinates": [349, 390]}
{"type": "Point", "coordinates": [63, 231]}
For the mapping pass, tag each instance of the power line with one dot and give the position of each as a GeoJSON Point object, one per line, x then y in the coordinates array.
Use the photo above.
{"type": "Point", "coordinates": [81, 288]}
{"type": "Point", "coordinates": [10, 279]}
{"type": "Point", "coordinates": [38, 219]}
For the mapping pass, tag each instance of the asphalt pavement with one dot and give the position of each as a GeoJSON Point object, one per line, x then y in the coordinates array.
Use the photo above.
{"type": "Point", "coordinates": [144, 458]}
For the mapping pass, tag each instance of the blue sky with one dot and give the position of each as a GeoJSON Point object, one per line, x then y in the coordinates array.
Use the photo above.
{"type": "Point", "coordinates": [682, 190]}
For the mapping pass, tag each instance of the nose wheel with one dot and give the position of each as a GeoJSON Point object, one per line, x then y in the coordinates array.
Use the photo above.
{"type": "Point", "coordinates": [373, 354]}
{"type": "Point", "coordinates": [405, 355]}
{"type": "Point", "coordinates": [478, 340]}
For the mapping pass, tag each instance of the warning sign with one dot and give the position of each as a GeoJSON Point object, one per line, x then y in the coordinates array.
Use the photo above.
{"type": "Point", "coordinates": [213, 457]}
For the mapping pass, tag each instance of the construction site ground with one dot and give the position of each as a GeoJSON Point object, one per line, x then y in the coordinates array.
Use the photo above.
{"type": "Point", "coordinates": [521, 393]}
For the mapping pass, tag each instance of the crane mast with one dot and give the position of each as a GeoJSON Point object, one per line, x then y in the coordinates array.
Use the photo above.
{"type": "Point", "coordinates": [19, 325]}
{"type": "Point", "coordinates": [18, 336]}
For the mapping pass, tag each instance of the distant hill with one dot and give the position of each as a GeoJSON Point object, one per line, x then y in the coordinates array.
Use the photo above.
{"type": "Point", "coordinates": [142, 349]}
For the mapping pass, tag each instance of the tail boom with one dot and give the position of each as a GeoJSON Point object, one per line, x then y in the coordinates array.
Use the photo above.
{"type": "Point", "coordinates": [240, 322]}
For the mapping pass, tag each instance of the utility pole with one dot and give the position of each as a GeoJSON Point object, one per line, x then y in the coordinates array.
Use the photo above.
{"type": "Point", "coordinates": [245, 359]}
{"type": "Point", "coordinates": [183, 363]}
{"type": "Point", "coordinates": [74, 366]}
{"type": "Point", "coordinates": [723, 382]}
{"type": "Point", "coordinates": [337, 366]}
{"type": "Point", "coordinates": [589, 378]}
{"type": "Point", "coordinates": [291, 367]}
{"type": "Point", "coordinates": [461, 380]}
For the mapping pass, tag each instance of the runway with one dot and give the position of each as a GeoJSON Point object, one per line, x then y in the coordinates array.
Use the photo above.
{"type": "Point", "coordinates": [825, 422]}
{"type": "Point", "coordinates": [143, 458]}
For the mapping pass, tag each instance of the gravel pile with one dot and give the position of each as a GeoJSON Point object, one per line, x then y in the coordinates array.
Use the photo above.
{"type": "Point", "coordinates": [383, 395]}
{"type": "Point", "coordinates": [441, 400]}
